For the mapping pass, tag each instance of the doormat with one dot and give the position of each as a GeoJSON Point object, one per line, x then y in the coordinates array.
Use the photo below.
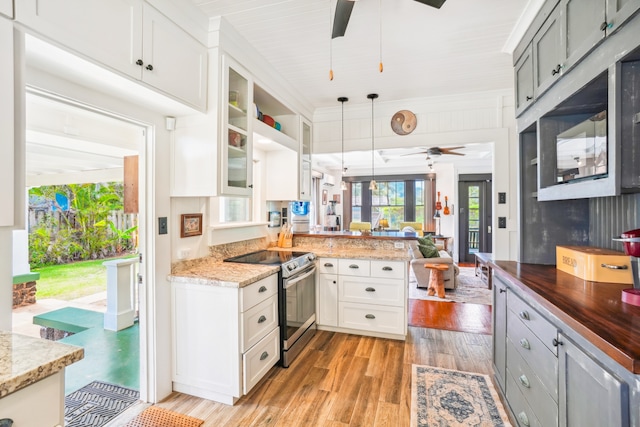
{"type": "Point", "coordinates": [95, 404]}
{"type": "Point", "coordinates": [159, 417]}
{"type": "Point", "coordinates": [445, 397]}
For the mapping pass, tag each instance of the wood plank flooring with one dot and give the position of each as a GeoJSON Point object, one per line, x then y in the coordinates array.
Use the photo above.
{"type": "Point", "coordinates": [344, 380]}
{"type": "Point", "coordinates": [452, 316]}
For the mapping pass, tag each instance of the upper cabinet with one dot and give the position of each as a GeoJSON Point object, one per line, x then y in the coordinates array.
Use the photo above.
{"type": "Point", "coordinates": [524, 80]}
{"type": "Point", "coordinates": [548, 48]}
{"type": "Point", "coordinates": [8, 172]}
{"type": "Point", "coordinates": [128, 36]}
{"type": "Point", "coordinates": [6, 8]}
{"type": "Point", "coordinates": [305, 163]}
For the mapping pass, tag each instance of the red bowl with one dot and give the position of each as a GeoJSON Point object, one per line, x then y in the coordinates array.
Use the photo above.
{"type": "Point", "coordinates": [632, 248]}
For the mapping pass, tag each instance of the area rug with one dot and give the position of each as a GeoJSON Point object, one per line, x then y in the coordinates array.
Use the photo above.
{"type": "Point", "coordinates": [95, 404]}
{"type": "Point", "coordinates": [159, 417]}
{"type": "Point", "coordinates": [470, 289]}
{"type": "Point", "coordinates": [444, 397]}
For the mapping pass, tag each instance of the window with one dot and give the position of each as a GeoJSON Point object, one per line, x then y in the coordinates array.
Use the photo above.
{"type": "Point", "coordinates": [398, 199]}
{"type": "Point", "coordinates": [234, 209]}
{"type": "Point", "coordinates": [388, 202]}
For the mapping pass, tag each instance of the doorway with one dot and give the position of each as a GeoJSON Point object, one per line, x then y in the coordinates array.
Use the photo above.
{"type": "Point", "coordinates": [474, 201]}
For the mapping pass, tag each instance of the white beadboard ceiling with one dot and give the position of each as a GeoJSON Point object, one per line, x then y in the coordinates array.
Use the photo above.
{"type": "Point", "coordinates": [460, 48]}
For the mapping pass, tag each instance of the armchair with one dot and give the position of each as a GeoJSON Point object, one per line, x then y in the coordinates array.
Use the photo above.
{"type": "Point", "coordinates": [423, 274]}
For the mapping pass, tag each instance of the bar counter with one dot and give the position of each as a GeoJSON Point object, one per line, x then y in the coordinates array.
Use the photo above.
{"type": "Point", "coordinates": [374, 235]}
{"type": "Point", "coordinates": [593, 309]}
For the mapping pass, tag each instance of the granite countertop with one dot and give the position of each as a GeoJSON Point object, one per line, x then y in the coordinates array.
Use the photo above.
{"type": "Point", "coordinates": [206, 271]}
{"type": "Point", "coordinates": [374, 235]}
{"type": "Point", "coordinates": [25, 360]}
{"type": "Point", "coordinates": [593, 309]}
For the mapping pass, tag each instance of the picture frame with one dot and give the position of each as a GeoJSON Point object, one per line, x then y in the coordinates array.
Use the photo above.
{"type": "Point", "coordinates": [190, 225]}
{"type": "Point", "coordinates": [325, 194]}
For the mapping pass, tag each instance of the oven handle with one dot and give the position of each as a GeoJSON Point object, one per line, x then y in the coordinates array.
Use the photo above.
{"type": "Point", "coordinates": [295, 280]}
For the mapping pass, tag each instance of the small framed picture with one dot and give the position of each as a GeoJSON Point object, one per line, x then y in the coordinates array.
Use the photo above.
{"type": "Point", "coordinates": [336, 198]}
{"type": "Point", "coordinates": [190, 225]}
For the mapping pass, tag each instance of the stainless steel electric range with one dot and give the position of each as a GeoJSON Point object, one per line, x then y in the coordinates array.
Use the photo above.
{"type": "Point", "coordinates": [296, 297]}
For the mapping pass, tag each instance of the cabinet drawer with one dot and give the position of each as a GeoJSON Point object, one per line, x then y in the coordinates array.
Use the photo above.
{"type": "Point", "coordinates": [262, 357]}
{"type": "Point", "coordinates": [328, 266]}
{"type": "Point", "coordinates": [388, 269]}
{"type": "Point", "coordinates": [543, 362]}
{"type": "Point", "coordinates": [544, 405]}
{"type": "Point", "coordinates": [354, 267]}
{"type": "Point", "coordinates": [372, 318]}
{"type": "Point", "coordinates": [521, 410]}
{"type": "Point", "coordinates": [371, 290]}
{"type": "Point", "coordinates": [258, 292]}
{"type": "Point", "coordinates": [540, 326]}
{"type": "Point", "coordinates": [257, 321]}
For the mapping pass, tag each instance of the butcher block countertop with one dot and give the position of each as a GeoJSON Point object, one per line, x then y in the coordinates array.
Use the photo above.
{"type": "Point", "coordinates": [592, 309]}
{"type": "Point", "coordinates": [26, 360]}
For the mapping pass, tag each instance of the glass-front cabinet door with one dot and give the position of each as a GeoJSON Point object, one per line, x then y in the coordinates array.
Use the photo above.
{"type": "Point", "coordinates": [305, 160]}
{"type": "Point", "coordinates": [236, 147]}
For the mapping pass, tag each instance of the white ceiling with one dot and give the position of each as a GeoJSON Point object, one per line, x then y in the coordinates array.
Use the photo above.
{"type": "Point", "coordinates": [463, 47]}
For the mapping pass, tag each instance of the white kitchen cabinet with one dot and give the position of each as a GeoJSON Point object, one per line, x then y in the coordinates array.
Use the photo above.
{"type": "Point", "coordinates": [6, 9]}
{"type": "Point", "coordinates": [369, 299]}
{"type": "Point", "coordinates": [39, 404]}
{"type": "Point", "coordinates": [128, 36]}
{"type": "Point", "coordinates": [7, 137]}
{"type": "Point", "coordinates": [225, 339]}
{"type": "Point", "coordinates": [327, 292]}
{"type": "Point", "coordinates": [305, 159]}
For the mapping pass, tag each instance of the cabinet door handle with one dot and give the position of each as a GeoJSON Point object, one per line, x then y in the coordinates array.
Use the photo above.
{"type": "Point", "coordinates": [522, 417]}
{"type": "Point", "coordinates": [556, 70]}
{"type": "Point", "coordinates": [524, 343]}
{"type": "Point", "coordinates": [606, 25]}
{"type": "Point", "coordinates": [503, 290]}
{"type": "Point", "coordinates": [528, 98]}
{"type": "Point", "coordinates": [262, 289]}
{"type": "Point", "coordinates": [524, 315]}
{"type": "Point", "coordinates": [556, 343]}
{"type": "Point", "coordinates": [354, 266]}
{"type": "Point", "coordinates": [262, 319]}
{"type": "Point", "coordinates": [370, 316]}
{"type": "Point", "coordinates": [370, 289]}
{"type": "Point", "coordinates": [328, 264]}
{"type": "Point", "coordinates": [524, 381]}
{"type": "Point", "coordinates": [139, 62]}
{"type": "Point", "coordinates": [614, 267]}
{"type": "Point", "coordinates": [387, 268]}
{"type": "Point", "coordinates": [264, 355]}
{"type": "Point", "coordinates": [149, 67]}
{"type": "Point", "coordinates": [334, 281]}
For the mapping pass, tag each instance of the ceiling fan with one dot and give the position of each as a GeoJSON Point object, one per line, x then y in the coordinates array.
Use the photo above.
{"type": "Point", "coordinates": [437, 151]}
{"type": "Point", "coordinates": [343, 13]}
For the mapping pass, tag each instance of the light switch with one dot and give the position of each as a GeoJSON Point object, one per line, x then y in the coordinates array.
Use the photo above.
{"type": "Point", "coordinates": [502, 198]}
{"type": "Point", "coordinates": [162, 225]}
{"type": "Point", "coordinates": [502, 222]}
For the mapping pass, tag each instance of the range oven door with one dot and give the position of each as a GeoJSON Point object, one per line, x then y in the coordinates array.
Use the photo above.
{"type": "Point", "coordinates": [298, 312]}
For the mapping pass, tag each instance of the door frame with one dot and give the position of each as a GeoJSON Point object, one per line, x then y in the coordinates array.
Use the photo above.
{"type": "Point", "coordinates": [486, 197]}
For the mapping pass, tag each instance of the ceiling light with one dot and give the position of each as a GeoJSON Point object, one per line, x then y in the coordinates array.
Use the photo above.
{"type": "Point", "coordinates": [343, 184]}
{"type": "Point", "coordinates": [372, 185]}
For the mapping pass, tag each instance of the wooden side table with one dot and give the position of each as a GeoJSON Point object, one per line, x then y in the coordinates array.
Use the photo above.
{"type": "Point", "coordinates": [482, 268]}
{"type": "Point", "coordinates": [436, 279]}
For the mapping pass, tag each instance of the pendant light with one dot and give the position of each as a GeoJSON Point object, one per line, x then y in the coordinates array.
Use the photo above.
{"type": "Point", "coordinates": [372, 185]}
{"type": "Point", "coordinates": [343, 184]}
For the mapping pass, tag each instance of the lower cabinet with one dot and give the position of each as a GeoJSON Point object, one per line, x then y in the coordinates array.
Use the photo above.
{"type": "Point", "coordinates": [224, 339]}
{"type": "Point", "coordinates": [366, 297]}
{"type": "Point", "coordinates": [550, 375]}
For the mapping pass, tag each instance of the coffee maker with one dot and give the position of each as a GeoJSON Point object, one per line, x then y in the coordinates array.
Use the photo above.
{"type": "Point", "coordinates": [631, 242]}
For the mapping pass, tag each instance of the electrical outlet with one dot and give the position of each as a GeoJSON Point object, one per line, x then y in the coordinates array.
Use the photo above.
{"type": "Point", "coordinates": [502, 198]}
{"type": "Point", "coordinates": [184, 253]}
{"type": "Point", "coordinates": [162, 225]}
{"type": "Point", "coordinates": [398, 245]}
{"type": "Point", "coordinates": [502, 222]}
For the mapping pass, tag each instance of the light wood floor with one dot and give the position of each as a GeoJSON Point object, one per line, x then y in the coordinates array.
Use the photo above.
{"type": "Point", "coordinates": [344, 380]}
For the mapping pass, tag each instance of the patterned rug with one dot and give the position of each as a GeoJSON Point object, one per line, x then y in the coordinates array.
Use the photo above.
{"type": "Point", "coordinates": [470, 289]}
{"type": "Point", "coordinates": [94, 405]}
{"type": "Point", "coordinates": [449, 398]}
{"type": "Point", "coordinates": [159, 417]}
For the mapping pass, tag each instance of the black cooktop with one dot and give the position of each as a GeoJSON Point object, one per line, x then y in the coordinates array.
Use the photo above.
{"type": "Point", "coordinates": [266, 257]}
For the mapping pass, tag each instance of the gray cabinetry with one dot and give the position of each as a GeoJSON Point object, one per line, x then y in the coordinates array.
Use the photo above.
{"type": "Point", "coordinates": [618, 11]}
{"type": "Point", "coordinates": [585, 23]}
{"type": "Point", "coordinates": [548, 52]}
{"type": "Point", "coordinates": [590, 395]}
{"type": "Point", "coordinates": [630, 122]}
{"type": "Point", "coordinates": [524, 80]}
{"type": "Point", "coordinates": [500, 331]}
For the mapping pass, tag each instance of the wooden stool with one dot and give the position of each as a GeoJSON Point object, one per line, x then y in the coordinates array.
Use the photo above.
{"type": "Point", "coordinates": [436, 279]}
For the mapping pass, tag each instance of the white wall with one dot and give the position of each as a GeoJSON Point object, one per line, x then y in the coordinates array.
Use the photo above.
{"type": "Point", "coordinates": [487, 117]}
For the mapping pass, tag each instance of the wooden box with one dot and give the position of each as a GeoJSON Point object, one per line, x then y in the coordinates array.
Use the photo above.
{"type": "Point", "coordinates": [594, 264]}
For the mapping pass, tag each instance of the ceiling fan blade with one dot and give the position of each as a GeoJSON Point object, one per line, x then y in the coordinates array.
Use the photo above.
{"type": "Point", "coordinates": [413, 154]}
{"type": "Point", "coordinates": [341, 18]}
{"type": "Point", "coordinates": [433, 3]}
{"type": "Point", "coordinates": [452, 148]}
{"type": "Point", "coordinates": [453, 152]}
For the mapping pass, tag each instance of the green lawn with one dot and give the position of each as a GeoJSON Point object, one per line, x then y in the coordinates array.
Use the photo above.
{"type": "Point", "coordinates": [70, 281]}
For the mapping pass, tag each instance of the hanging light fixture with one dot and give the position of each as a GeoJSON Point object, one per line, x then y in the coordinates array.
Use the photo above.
{"type": "Point", "coordinates": [372, 185]}
{"type": "Point", "coordinates": [380, 66]}
{"type": "Point", "coordinates": [343, 184]}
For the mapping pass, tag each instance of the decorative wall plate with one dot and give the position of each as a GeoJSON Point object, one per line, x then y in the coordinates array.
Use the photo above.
{"type": "Point", "coordinates": [403, 122]}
